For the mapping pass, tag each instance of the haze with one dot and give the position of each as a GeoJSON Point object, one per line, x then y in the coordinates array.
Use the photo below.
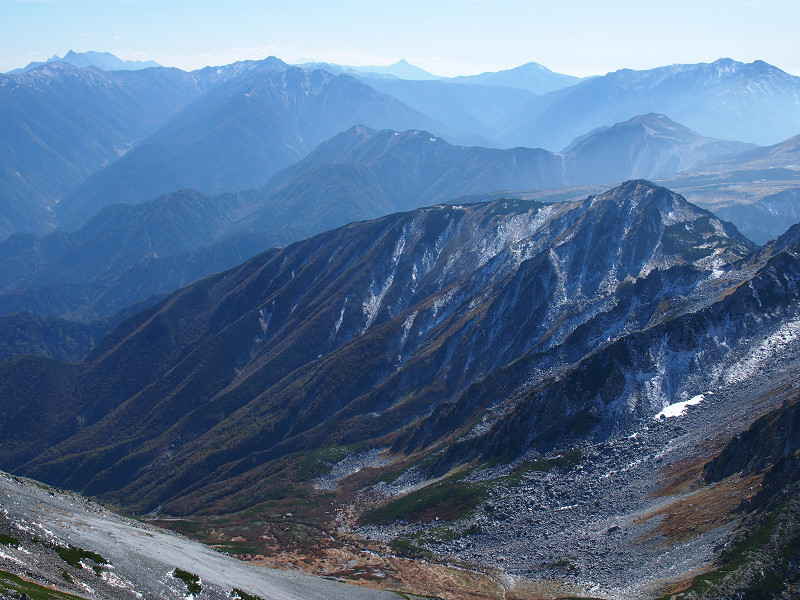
{"type": "Point", "coordinates": [446, 37]}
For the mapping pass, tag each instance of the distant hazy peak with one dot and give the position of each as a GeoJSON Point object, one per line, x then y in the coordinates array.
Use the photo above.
{"type": "Point", "coordinates": [531, 76]}
{"type": "Point", "coordinates": [402, 69]}
{"type": "Point", "coordinates": [722, 67]}
{"type": "Point", "coordinates": [102, 60]}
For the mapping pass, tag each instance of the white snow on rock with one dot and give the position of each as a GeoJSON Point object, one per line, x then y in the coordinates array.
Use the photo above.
{"type": "Point", "coordinates": [678, 409]}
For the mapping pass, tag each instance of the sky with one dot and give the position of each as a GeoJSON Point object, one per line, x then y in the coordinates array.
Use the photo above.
{"type": "Point", "coordinates": [445, 37]}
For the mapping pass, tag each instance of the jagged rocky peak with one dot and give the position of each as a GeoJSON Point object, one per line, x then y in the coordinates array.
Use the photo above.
{"type": "Point", "coordinates": [662, 227]}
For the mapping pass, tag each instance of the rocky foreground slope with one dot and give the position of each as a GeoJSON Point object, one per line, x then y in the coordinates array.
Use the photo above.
{"type": "Point", "coordinates": [59, 543]}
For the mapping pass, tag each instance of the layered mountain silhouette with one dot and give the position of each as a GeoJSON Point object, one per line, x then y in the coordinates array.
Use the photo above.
{"type": "Point", "coordinates": [402, 69]}
{"type": "Point", "coordinates": [757, 189]}
{"type": "Point", "coordinates": [753, 102]}
{"type": "Point", "coordinates": [101, 60]}
{"type": "Point", "coordinates": [531, 76]}
{"type": "Point", "coordinates": [379, 332]}
{"type": "Point", "coordinates": [471, 114]}
{"type": "Point", "coordinates": [126, 253]}
{"type": "Point", "coordinates": [241, 123]}
{"type": "Point", "coordinates": [61, 123]}
{"type": "Point", "coordinates": [237, 136]}
{"type": "Point", "coordinates": [648, 146]}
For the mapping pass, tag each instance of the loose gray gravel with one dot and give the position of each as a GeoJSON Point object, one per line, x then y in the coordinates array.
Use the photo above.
{"type": "Point", "coordinates": [585, 525]}
{"type": "Point", "coordinates": [141, 557]}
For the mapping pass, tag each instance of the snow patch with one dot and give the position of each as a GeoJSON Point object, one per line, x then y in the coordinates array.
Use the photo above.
{"type": "Point", "coordinates": [407, 325]}
{"type": "Point", "coordinates": [338, 324]}
{"type": "Point", "coordinates": [10, 558]}
{"type": "Point", "coordinates": [373, 302]}
{"type": "Point", "coordinates": [678, 409]}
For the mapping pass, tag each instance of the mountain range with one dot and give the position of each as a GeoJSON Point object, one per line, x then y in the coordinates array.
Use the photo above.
{"type": "Point", "coordinates": [756, 189]}
{"type": "Point", "coordinates": [127, 253]}
{"type": "Point", "coordinates": [269, 120]}
{"type": "Point", "coordinates": [239, 124]}
{"type": "Point", "coordinates": [61, 123]}
{"type": "Point", "coordinates": [102, 60]}
{"type": "Point", "coordinates": [451, 336]}
{"type": "Point", "coordinates": [322, 318]}
{"type": "Point", "coordinates": [726, 99]}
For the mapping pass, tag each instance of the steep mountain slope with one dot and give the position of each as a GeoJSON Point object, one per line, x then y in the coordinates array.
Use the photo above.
{"type": "Point", "coordinates": [783, 155]}
{"type": "Point", "coordinates": [62, 339]}
{"type": "Point", "coordinates": [68, 341]}
{"type": "Point", "coordinates": [506, 375]}
{"type": "Point", "coordinates": [115, 239]}
{"type": "Point", "coordinates": [415, 168]}
{"type": "Point", "coordinates": [402, 296]}
{"type": "Point", "coordinates": [238, 135]}
{"type": "Point", "coordinates": [60, 123]}
{"type": "Point", "coordinates": [121, 255]}
{"type": "Point", "coordinates": [357, 175]}
{"type": "Point", "coordinates": [725, 99]}
{"type": "Point", "coordinates": [93, 287]}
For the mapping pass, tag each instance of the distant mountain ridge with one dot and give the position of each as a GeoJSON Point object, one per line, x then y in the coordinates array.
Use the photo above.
{"type": "Point", "coordinates": [61, 123]}
{"type": "Point", "coordinates": [235, 142]}
{"type": "Point", "coordinates": [647, 146]}
{"type": "Point", "coordinates": [758, 189]}
{"type": "Point", "coordinates": [402, 69]}
{"type": "Point", "coordinates": [531, 76]}
{"type": "Point", "coordinates": [359, 174]}
{"type": "Point", "coordinates": [237, 136]}
{"type": "Point", "coordinates": [753, 102]}
{"type": "Point", "coordinates": [101, 60]}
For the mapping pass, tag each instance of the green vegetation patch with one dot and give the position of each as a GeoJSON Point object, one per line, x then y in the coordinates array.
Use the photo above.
{"type": "Point", "coordinates": [772, 578]}
{"type": "Point", "coordinates": [562, 461]}
{"type": "Point", "coordinates": [414, 596]}
{"type": "Point", "coordinates": [448, 499]}
{"type": "Point", "coordinates": [181, 525]}
{"type": "Point", "coordinates": [242, 595]}
{"type": "Point", "coordinates": [567, 562]}
{"type": "Point", "coordinates": [13, 584]}
{"type": "Point", "coordinates": [8, 540]}
{"type": "Point", "coordinates": [320, 462]}
{"type": "Point", "coordinates": [237, 548]}
{"type": "Point", "coordinates": [73, 555]}
{"type": "Point", "coordinates": [697, 240]}
{"type": "Point", "coordinates": [413, 546]}
{"type": "Point", "coordinates": [191, 580]}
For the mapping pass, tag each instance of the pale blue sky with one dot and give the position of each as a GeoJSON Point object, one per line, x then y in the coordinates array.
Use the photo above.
{"type": "Point", "coordinates": [446, 37]}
